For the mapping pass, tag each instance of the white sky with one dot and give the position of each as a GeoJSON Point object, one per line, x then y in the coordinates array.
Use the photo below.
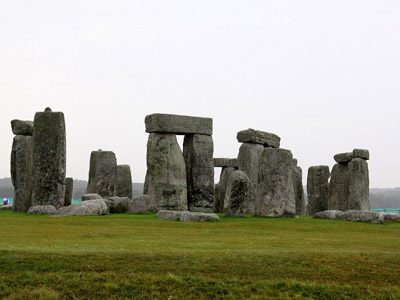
{"type": "Point", "coordinates": [323, 75]}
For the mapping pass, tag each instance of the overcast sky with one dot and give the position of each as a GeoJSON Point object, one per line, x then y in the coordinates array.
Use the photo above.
{"type": "Point", "coordinates": [323, 75]}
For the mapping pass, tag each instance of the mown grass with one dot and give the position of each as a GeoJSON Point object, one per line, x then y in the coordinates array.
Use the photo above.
{"type": "Point", "coordinates": [142, 257]}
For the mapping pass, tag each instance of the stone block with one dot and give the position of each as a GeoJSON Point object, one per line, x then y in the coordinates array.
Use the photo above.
{"type": "Point", "coordinates": [237, 194]}
{"type": "Point", "coordinates": [20, 127]}
{"type": "Point", "coordinates": [361, 153]}
{"type": "Point", "coordinates": [178, 124]}
{"type": "Point", "coordinates": [124, 181]}
{"type": "Point", "coordinates": [258, 137]}
{"type": "Point", "coordinates": [317, 189]}
{"type": "Point", "coordinates": [69, 188]}
{"type": "Point", "coordinates": [343, 157]}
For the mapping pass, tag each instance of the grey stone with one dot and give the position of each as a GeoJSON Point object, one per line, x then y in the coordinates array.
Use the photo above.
{"type": "Point", "coordinates": [198, 153]}
{"type": "Point", "coordinates": [119, 205]}
{"type": "Point", "coordinates": [42, 210]}
{"type": "Point", "coordinates": [172, 215]}
{"type": "Point", "coordinates": [391, 217]}
{"type": "Point", "coordinates": [141, 204]}
{"type": "Point", "coordinates": [93, 196]}
{"type": "Point", "coordinates": [362, 216]}
{"type": "Point", "coordinates": [359, 185]}
{"type": "Point", "coordinates": [177, 124]}
{"type": "Point", "coordinates": [166, 172]}
{"type": "Point", "coordinates": [69, 188]}
{"type": "Point", "coordinates": [220, 189]}
{"type": "Point", "coordinates": [361, 153]}
{"type": "Point", "coordinates": [20, 127]}
{"type": "Point", "coordinates": [49, 159]}
{"type": "Point", "coordinates": [102, 173]}
{"type": "Point", "coordinates": [124, 181]}
{"type": "Point", "coordinates": [187, 216]}
{"type": "Point", "coordinates": [328, 214]}
{"type": "Point", "coordinates": [249, 159]}
{"type": "Point", "coordinates": [343, 157]}
{"type": "Point", "coordinates": [21, 172]}
{"type": "Point", "coordinates": [299, 190]}
{"type": "Point", "coordinates": [258, 137]}
{"type": "Point", "coordinates": [96, 207]}
{"type": "Point", "coordinates": [317, 189]}
{"type": "Point", "coordinates": [275, 193]}
{"type": "Point", "coordinates": [6, 207]}
{"type": "Point", "coordinates": [146, 185]}
{"type": "Point", "coordinates": [226, 162]}
{"type": "Point", "coordinates": [237, 194]}
{"type": "Point", "coordinates": [339, 188]}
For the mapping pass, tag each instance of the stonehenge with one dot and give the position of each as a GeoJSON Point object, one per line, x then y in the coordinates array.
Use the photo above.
{"type": "Point", "coordinates": [124, 181]}
{"type": "Point", "coordinates": [69, 187]}
{"type": "Point", "coordinates": [298, 189]}
{"type": "Point", "coordinates": [237, 193]}
{"type": "Point", "coordinates": [228, 166]}
{"type": "Point", "coordinates": [317, 189]}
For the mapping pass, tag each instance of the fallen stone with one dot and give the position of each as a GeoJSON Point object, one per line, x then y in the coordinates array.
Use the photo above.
{"type": "Point", "coordinates": [177, 124]}
{"type": "Point", "coordinates": [328, 214]}
{"type": "Point", "coordinates": [69, 188]}
{"type": "Point", "coordinates": [317, 189]}
{"type": "Point", "coordinates": [6, 207]}
{"type": "Point", "coordinates": [362, 216]}
{"type": "Point", "coordinates": [96, 207]}
{"type": "Point", "coordinates": [388, 217]}
{"type": "Point", "coordinates": [124, 181]}
{"type": "Point", "coordinates": [187, 216]}
{"type": "Point", "coordinates": [119, 205]}
{"type": "Point", "coordinates": [172, 215]}
{"type": "Point", "coordinates": [339, 188]}
{"type": "Point", "coordinates": [343, 157]}
{"type": "Point", "coordinates": [141, 204]}
{"type": "Point", "coordinates": [20, 127]}
{"type": "Point", "coordinates": [358, 185]}
{"type": "Point", "coordinates": [93, 196]}
{"type": "Point", "coordinates": [220, 189]}
{"type": "Point", "coordinates": [237, 194]}
{"type": "Point", "coordinates": [361, 153]}
{"type": "Point", "coordinates": [258, 137]}
{"type": "Point", "coordinates": [42, 210]}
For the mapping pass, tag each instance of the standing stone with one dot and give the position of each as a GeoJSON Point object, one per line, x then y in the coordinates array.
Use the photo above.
{"type": "Point", "coordinates": [359, 185]}
{"type": "Point", "coordinates": [237, 194]}
{"type": "Point", "coordinates": [220, 189]}
{"type": "Point", "coordinates": [249, 159]}
{"type": "Point", "coordinates": [21, 172]}
{"type": "Point", "coordinates": [102, 174]}
{"type": "Point", "coordinates": [146, 185]}
{"type": "Point", "coordinates": [69, 188]}
{"type": "Point", "coordinates": [339, 187]}
{"type": "Point", "coordinates": [124, 181]}
{"type": "Point", "coordinates": [198, 153]}
{"type": "Point", "coordinates": [49, 159]}
{"type": "Point", "coordinates": [275, 193]}
{"type": "Point", "coordinates": [299, 190]}
{"type": "Point", "coordinates": [317, 189]}
{"type": "Point", "coordinates": [166, 172]}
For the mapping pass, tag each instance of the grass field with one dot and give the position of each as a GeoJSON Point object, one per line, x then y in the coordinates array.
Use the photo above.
{"type": "Point", "coordinates": [142, 257]}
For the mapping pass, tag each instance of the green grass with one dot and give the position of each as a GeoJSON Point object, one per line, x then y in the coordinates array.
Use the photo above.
{"type": "Point", "coordinates": [142, 257]}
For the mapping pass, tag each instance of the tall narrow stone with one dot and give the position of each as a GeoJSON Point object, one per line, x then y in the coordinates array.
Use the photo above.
{"type": "Point", "coordinates": [298, 190]}
{"type": "Point", "coordinates": [166, 173]}
{"type": "Point", "coordinates": [69, 189]}
{"type": "Point", "coordinates": [124, 181]}
{"type": "Point", "coordinates": [249, 159]}
{"type": "Point", "coordinates": [146, 185]}
{"type": "Point", "coordinates": [21, 172]}
{"type": "Point", "coordinates": [102, 174]}
{"type": "Point", "coordinates": [198, 151]}
{"type": "Point", "coordinates": [49, 158]}
{"type": "Point", "coordinates": [359, 185]}
{"type": "Point", "coordinates": [317, 189]}
{"type": "Point", "coordinates": [275, 192]}
{"type": "Point", "coordinates": [237, 194]}
{"type": "Point", "coordinates": [220, 189]}
{"type": "Point", "coordinates": [339, 187]}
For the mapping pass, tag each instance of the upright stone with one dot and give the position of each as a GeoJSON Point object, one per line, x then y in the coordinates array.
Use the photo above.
{"type": "Point", "coordinates": [49, 158]}
{"type": "Point", "coordinates": [317, 189]}
{"type": "Point", "coordinates": [298, 190]}
{"type": "Point", "coordinates": [21, 172]}
{"type": "Point", "coordinates": [359, 185]}
{"type": "Point", "coordinates": [146, 185]}
{"type": "Point", "coordinates": [69, 188]}
{"type": "Point", "coordinates": [275, 192]}
{"type": "Point", "coordinates": [339, 187]}
{"type": "Point", "coordinates": [102, 173]}
{"type": "Point", "coordinates": [198, 152]}
{"type": "Point", "coordinates": [249, 159]}
{"type": "Point", "coordinates": [220, 189]}
{"type": "Point", "coordinates": [124, 181]}
{"type": "Point", "coordinates": [237, 194]}
{"type": "Point", "coordinates": [166, 173]}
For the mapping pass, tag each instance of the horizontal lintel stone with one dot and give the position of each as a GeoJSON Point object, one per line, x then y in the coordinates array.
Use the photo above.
{"type": "Point", "coordinates": [226, 162]}
{"type": "Point", "coordinates": [343, 157]}
{"type": "Point", "coordinates": [258, 137]}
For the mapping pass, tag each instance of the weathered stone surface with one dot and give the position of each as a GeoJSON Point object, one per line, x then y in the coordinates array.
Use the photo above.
{"type": "Point", "coordinates": [362, 216]}
{"type": "Point", "coordinates": [20, 127]}
{"type": "Point", "coordinates": [343, 157]}
{"type": "Point", "coordinates": [249, 159]}
{"type": "Point", "coordinates": [166, 172]}
{"type": "Point", "coordinates": [237, 194]}
{"type": "Point", "coordinates": [361, 153]}
{"type": "Point", "coordinates": [93, 196]}
{"type": "Point", "coordinates": [119, 205]}
{"type": "Point", "coordinates": [146, 185]}
{"type": "Point", "coordinates": [220, 189]}
{"type": "Point", "coordinates": [69, 188]}
{"type": "Point", "coordinates": [21, 172]}
{"type": "Point", "coordinates": [177, 124]}
{"type": "Point", "coordinates": [102, 173]}
{"type": "Point", "coordinates": [317, 189]}
{"type": "Point", "coordinates": [198, 153]}
{"type": "Point", "coordinates": [299, 190]}
{"type": "Point", "coordinates": [359, 185]}
{"type": "Point", "coordinates": [226, 162]}
{"type": "Point", "coordinates": [328, 214]}
{"type": "Point", "coordinates": [141, 204]}
{"type": "Point", "coordinates": [275, 193]}
{"type": "Point", "coordinates": [6, 207]}
{"type": "Point", "coordinates": [42, 210]}
{"type": "Point", "coordinates": [258, 137]}
{"type": "Point", "coordinates": [172, 215]}
{"type": "Point", "coordinates": [391, 217]}
{"type": "Point", "coordinates": [188, 216]}
{"type": "Point", "coordinates": [124, 181]}
{"type": "Point", "coordinates": [85, 208]}
{"type": "Point", "coordinates": [49, 159]}
{"type": "Point", "coordinates": [339, 188]}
